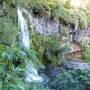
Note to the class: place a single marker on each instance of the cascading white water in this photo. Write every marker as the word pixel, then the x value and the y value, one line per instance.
pixel 24 40
pixel 32 74
pixel 23 34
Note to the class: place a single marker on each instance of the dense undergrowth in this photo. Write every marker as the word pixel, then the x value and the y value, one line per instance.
pixel 71 80
pixel 13 62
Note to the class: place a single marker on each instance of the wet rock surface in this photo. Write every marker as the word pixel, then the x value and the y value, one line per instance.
pixel 76 65
pixel 51 72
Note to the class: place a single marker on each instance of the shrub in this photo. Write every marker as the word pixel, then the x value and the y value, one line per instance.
pixel 71 80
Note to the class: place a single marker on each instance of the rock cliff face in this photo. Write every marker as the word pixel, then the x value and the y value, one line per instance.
pixel 84 37
pixel 46 26
pixel 75 54
pixel 73 59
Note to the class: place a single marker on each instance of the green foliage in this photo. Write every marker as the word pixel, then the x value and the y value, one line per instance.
pixel 15 3
pixel 53 42
pixel 71 80
pixel 35 86
pixel 42 7
pixel 67 4
pixel 8 31
pixel 9 76
pixel 12 68
pixel 64 31
pixel 88 19
pixel 38 40
pixel 40 43
pixel 3 48
pixel 86 54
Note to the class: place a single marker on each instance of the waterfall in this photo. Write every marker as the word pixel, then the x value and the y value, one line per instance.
pixel 32 74
pixel 24 40
pixel 23 34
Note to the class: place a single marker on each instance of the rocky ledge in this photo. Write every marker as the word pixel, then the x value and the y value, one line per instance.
pixel 76 65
